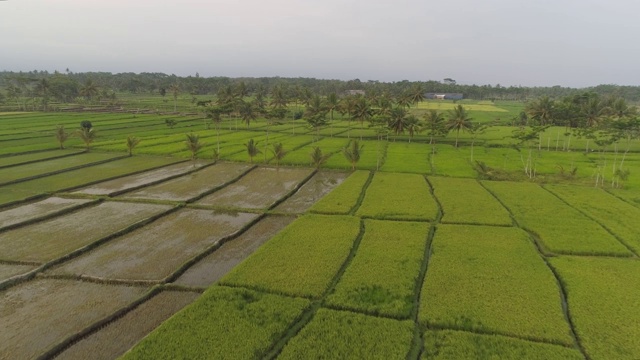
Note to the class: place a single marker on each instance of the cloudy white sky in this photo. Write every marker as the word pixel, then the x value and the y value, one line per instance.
pixel 509 42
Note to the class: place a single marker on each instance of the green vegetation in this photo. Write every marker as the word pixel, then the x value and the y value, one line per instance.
pixel 453 345
pixel 616 215
pixel 491 280
pixel 302 259
pixel 223 323
pixel 561 228
pixel 344 335
pixel 603 301
pixel 382 276
pixel 343 198
pixel 397 196
pixel 464 201
pixel 407 157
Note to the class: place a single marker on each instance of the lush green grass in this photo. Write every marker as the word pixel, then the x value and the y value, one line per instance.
pixel 399 197
pixel 371 156
pixel 454 345
pixel 491 280
pixel 464 201
pixel 223 323
pixel 604 298
pixel 382 276
pixel 343 198
pixel 561 228
pixel 344 335
pixel 38 156
pixel 450 161
pixel 302 259
pixel 616 215
pixel 407 157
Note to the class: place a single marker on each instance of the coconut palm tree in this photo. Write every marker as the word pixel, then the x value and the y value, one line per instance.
pixel 362 112
pixel 352 153
pixel 252 149
pixel 458 119
pixel 398 120
pixel 413 126
pixel 278 153
pixel 61 135
pixel 175 91
pixel 247 112
pixel 347 105
pixel 89 90
pixel 193 144
pixel 434 122
pixel 87 135
pixel 317 158
pixel 541 110
pixel 132 142
pixel 416 94
pixel 215 114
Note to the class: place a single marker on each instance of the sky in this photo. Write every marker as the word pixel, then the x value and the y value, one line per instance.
pixel 575 43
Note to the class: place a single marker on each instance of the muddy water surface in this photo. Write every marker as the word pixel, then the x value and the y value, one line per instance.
pixel 158 249
pixel 53 238
pixel 191 185
pixel 38 314
pixel 118 337
pixel 313 190
pixel 128 182
pixel 38 209
pixel 216 265
pixel 7 271
pixel 260 189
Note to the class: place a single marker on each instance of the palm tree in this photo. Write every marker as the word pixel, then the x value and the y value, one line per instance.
pixel 541 110
pixel 89 89
pixel 352 153
pixel 278 153
pixel 458 119
pixel 132 142
pixel 361 112
pixel 331 105
pixel 416 94
pixel 413 126
pixel 434 122
pixel 317 158
pixel 398 120
pixel 175 91
pixel 193 144
pixel 347 105
pixel 87 135
pixel 214 113
pixel 247 112
pixel 252 149
pixel 61 135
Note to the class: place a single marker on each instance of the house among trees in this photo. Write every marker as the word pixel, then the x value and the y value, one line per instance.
pixel 354 92
pixel 444 96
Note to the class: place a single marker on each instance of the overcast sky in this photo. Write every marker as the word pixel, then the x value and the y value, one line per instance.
pixel 574 43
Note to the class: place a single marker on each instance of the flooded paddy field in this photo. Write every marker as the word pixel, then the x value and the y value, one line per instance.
pixel 38 209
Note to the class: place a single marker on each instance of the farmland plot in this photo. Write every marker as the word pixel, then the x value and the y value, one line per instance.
pixel 407 157
pixel 192 185
pixel 38 314
pixel 343 198
pixel 38 209
pixel 616 215
pixel 561 228
pixel 450 161
pixel 312 191
pixel 345 335
pixel 158 249
pixel 219 263
pixel 396 196
pixel 604 298
pixel 119 336
pixel 451 344
pixel 38 156
pixel 7 271
pixel 302 259
pixel 464 201
pixel 491 280
pixel 54 238
pixel 138 180
pixel 382 276
pixel 260 189
pixel 223 323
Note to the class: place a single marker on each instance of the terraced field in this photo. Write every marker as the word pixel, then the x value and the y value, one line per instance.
pixel 151 257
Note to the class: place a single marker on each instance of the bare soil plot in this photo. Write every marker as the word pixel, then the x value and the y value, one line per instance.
pixel 192 185
pixel 54 238
pixel 39 314
pixel 7 271
pixel 118 337
pixel 158 249
pixel 313 190
pixel 259 189
pixel 38 209
pixel 138 180
pixel 219 263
